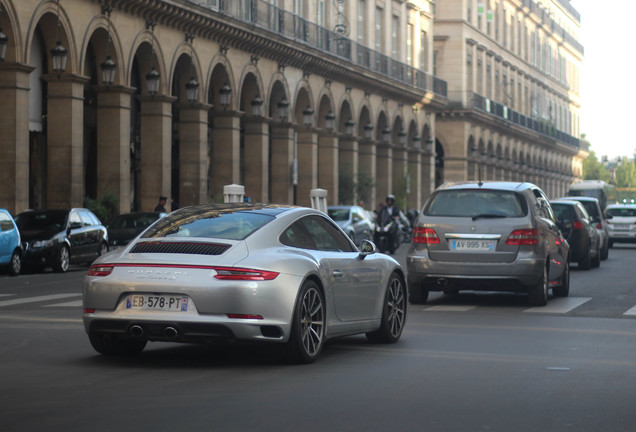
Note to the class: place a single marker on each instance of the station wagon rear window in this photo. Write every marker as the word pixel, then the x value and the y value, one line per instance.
pixel 476 203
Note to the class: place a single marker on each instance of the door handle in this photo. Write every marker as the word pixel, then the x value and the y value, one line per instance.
pixel 337 274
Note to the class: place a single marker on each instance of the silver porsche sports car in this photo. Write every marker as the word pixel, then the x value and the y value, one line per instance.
pixel 249 272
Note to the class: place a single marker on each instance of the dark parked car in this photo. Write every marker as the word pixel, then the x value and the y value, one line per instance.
pixel 354 220
pixel 10 245
pixel 578 229
pixel 57 238
pixel 492 236
pixel 125 227
pixel 593 208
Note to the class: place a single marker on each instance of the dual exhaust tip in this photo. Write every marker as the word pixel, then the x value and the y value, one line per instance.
pixel 137 331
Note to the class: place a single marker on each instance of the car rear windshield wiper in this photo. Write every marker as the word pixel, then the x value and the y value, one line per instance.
pixel 489 216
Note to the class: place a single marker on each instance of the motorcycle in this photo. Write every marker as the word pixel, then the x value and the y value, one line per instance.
pixel 385 237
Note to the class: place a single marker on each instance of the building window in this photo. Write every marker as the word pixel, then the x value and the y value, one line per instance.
pixel 423 51
pixel 409 44
pixel 379 13
pixel 362 6
pixel 395 37
pixel 320 13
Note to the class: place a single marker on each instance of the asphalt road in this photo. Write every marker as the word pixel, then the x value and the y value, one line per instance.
pixel 469 362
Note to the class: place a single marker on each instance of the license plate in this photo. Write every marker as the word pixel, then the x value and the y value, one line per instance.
pixel 157 302
pixel 621 227
pixel 473 245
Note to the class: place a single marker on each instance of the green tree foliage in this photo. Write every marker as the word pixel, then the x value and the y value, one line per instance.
pixel 364 186
pixel 626 173
pixel 593 169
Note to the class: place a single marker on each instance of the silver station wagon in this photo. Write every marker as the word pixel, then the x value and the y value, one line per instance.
pixel 488 236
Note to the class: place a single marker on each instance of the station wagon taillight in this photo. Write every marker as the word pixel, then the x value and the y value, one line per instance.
pixel 425 236
pixel 578 225
pixel 523 237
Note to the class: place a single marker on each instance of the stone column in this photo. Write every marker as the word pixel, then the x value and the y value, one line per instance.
pixel 282 159
pixel 193 154
pixel 367 167
pixel 348 160
pixel 307 155
pixel 113 144
pixel 400 166
pixel 65 141
pixel 226 152
pixel 156 149
pixel 428 175
pixel 14 137
pixel 384 179
pixel 256 137
pixel 328 166
pixel 415 174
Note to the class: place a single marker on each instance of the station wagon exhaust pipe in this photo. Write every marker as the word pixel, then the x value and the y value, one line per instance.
pixel 136 331
pixel 170 332
pixel 442 282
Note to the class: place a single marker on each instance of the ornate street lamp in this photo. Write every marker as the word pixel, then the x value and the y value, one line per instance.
pixel 386 135
pixel 349 124
pixel 330 121
pixel 108 67
pixel 368 130
pixel 402 138
pixel 4 41
pixel 192 86
pixel 257 106
pixel 153 77
pixel 428 147
pixel 283 107
pixel 308 117
pixel 225 93
pixel 59 54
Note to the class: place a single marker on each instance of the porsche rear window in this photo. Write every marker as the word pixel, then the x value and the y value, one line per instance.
pixel 471 203
pixel 229 226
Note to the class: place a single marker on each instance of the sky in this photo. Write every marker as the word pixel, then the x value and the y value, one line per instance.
pixel 608 86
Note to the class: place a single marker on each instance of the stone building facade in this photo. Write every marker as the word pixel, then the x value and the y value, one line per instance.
pixel 361 98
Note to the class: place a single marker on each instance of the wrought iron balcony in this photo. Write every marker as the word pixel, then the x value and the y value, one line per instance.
pixel 546 129
pixel 265 16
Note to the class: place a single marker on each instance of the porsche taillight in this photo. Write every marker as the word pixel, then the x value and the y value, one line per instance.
pixel 100 270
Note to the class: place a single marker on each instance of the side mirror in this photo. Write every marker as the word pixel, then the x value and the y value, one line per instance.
pixel 75 225
pixel 367 247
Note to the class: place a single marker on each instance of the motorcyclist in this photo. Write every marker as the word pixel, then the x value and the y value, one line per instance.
pixel 388 213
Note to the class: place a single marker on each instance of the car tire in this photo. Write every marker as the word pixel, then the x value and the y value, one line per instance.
pixel 610 244
pixel 538 294
pixel 596 261
pixel 308 325
pixel 15 265
pixel 393 313
pixel 564 289
pixel 605 253
pixel 63 260
pixel 418 295
pixel 103 249
pixel 585 263
pixel 108 344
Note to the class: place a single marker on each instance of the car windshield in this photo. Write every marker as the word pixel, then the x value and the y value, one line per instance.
pixel 563 211
pixel 41 220
pixel 210 224
pixel 338 214
pixel 132 221
pixel 476 203
pixel 621 212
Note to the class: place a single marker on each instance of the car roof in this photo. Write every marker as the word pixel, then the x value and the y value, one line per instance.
pixel 571 198
pixel 499 185
pixel 621 206
pixel 565 202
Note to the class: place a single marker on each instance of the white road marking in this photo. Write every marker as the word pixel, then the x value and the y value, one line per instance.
pixel 450 308
pixel 37 299
pixel 560 305
pixel 75 303
pixel 631 312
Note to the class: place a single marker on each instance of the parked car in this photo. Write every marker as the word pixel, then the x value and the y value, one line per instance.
pixel 354 221
pixel 10 244
pixel 125 227
pixel 621 221
pixel 489 236
pixel 593 208
pixel 263 273
pixel 578 229
pixel 58 238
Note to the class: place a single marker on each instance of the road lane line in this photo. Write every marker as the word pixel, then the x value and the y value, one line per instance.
pixel 631 312
pixel 560 305
pixel 37 299
pixel 450 308
pixel 76 303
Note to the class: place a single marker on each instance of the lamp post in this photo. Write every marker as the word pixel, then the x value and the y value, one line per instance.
pixel 349 124
pixel 368 130
pixel 153 77
pixel 109 66
pixel 308 117
pixel 386 135
pixel 257 106
pixel 283 107
pixel 59 54
pixel 225 93
pixel 192 86
pixel 330 121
